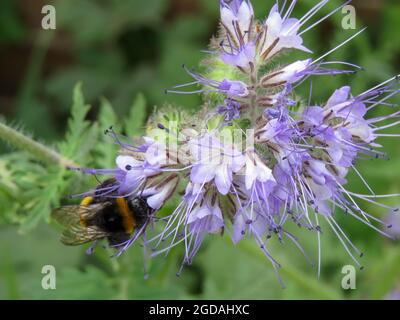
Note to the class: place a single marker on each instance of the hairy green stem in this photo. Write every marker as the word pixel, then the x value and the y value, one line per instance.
pixel 38 150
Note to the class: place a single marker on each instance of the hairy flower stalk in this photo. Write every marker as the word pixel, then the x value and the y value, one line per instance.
pixel 257 158
pixel 21 141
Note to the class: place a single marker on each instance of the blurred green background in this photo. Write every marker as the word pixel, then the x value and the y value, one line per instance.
pixel 125 52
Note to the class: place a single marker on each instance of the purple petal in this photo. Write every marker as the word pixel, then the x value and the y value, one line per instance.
pixel 223 179
pixel 339 96
pixel 202 173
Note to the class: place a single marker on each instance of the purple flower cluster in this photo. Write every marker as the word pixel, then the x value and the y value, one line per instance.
pixel 289 165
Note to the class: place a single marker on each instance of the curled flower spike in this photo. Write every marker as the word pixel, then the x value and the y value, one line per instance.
pixel 257 157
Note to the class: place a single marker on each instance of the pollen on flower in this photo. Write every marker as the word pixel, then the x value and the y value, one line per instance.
pixel 256 158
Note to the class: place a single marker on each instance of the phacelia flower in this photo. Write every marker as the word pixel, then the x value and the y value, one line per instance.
pixel 257 157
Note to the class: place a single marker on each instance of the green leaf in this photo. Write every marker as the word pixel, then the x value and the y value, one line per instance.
pixel 6 181
pixel 137 115
pixel 43 198
pixel 50 187
pixel 79 132
pixel 19 176
pixel 105 150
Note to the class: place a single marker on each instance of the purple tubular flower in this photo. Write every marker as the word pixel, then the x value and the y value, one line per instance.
pixel 157 195
pixel 277 104
pixel 314 151
pixel 231 88
pixel 237 17
pixel 289 74
pixel 133 173
pixel 242 57
pixel 234 7
pixel 214 161
pixel 256 171
pixel 205 218
pixel 257 214
pixel 231 109
pixel 280 33
pixel 297 71
pixel 198 214
pixel 351 113
pixel 243 223
pixel 259 224
pixel 353 110
pixel 131 176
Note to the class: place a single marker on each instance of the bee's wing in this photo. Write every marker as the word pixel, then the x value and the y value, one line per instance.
pixel 78 235
pixel 72 219
pixel 72 215
pixel 67 215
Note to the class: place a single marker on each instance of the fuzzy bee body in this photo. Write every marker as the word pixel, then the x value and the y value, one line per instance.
pixel 103 217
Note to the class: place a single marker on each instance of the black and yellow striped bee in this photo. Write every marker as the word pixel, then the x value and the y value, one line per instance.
pixel 103 217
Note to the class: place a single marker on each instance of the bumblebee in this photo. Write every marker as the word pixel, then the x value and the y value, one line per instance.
pixel 103 217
